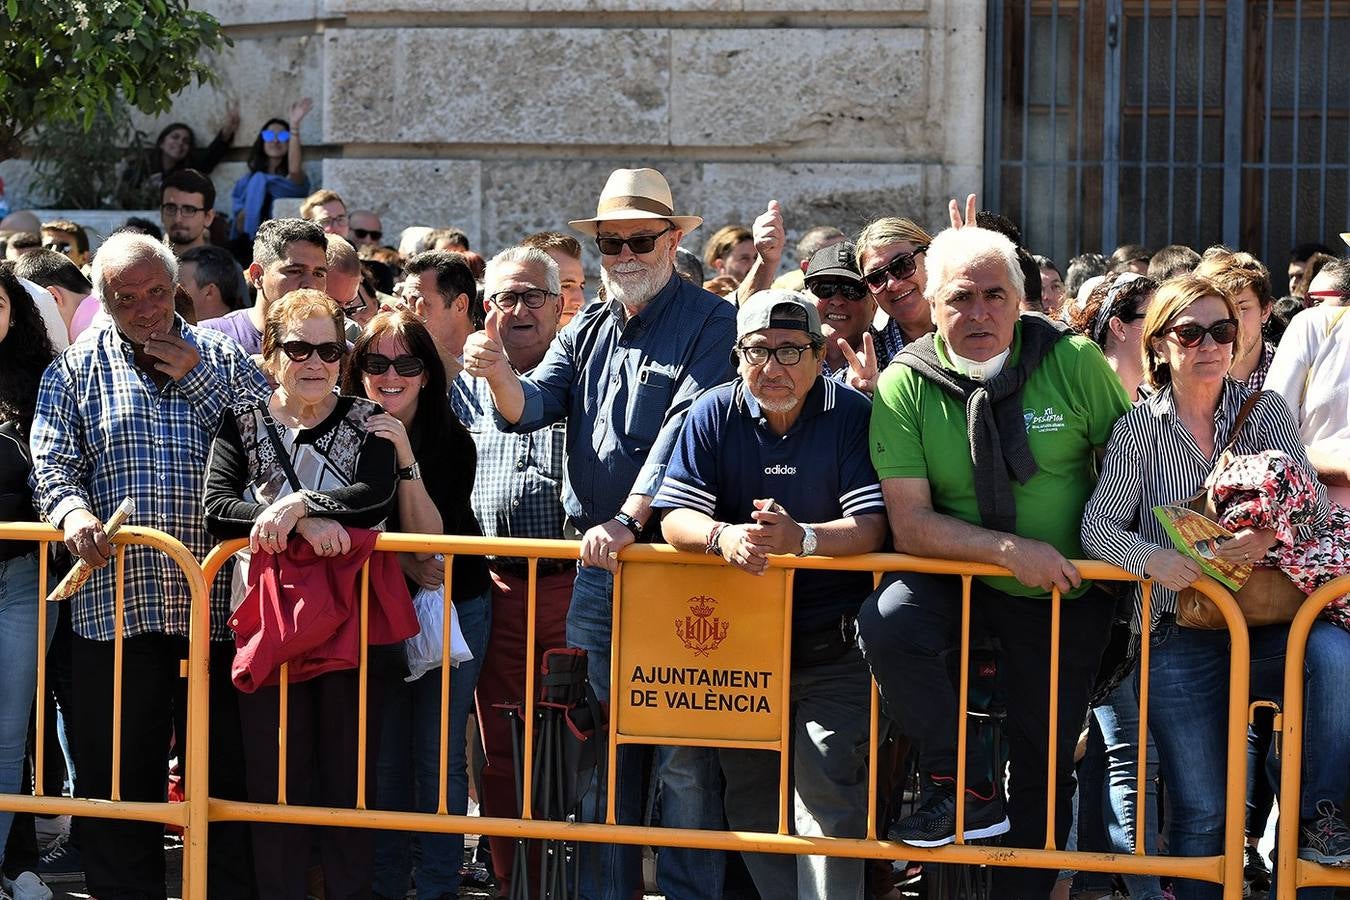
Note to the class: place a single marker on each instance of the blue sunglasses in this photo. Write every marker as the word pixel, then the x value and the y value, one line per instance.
pixel 272 136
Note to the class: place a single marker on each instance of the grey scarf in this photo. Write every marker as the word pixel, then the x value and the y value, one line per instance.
pixel 995 423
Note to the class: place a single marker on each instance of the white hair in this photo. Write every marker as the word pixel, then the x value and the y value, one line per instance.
pixel 529 256
pixel 956 248
pixel 125 248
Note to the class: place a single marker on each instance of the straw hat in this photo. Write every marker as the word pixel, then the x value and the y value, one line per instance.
pixel 633 195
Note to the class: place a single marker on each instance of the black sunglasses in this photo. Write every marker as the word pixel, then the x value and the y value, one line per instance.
pixel 407 365
pixel 826 288
pixel 900 267
pixel 638 243
pixel 58 246
pixel 299 351
pixel 1193 334
pixel 364 234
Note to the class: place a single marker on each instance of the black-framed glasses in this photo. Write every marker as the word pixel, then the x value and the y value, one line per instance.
pixel 826 288
pixel 532 298
pixel 638 243
pixel 1192 334
pixel 786 354
pixel 172 210
pixel 299 351
pixel 58 246
pixel 405 364
pixel 366 234
pixel 275 135
pixel 900 267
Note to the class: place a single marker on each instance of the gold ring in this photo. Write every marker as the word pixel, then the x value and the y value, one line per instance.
pixel 613 554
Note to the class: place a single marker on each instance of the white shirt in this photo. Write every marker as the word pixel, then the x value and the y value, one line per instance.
pixel 1311 370
pixel 51 315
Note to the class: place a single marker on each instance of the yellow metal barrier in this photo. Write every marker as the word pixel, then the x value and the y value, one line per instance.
pixel 189 815
pixel 1292 872
pixel 1225 869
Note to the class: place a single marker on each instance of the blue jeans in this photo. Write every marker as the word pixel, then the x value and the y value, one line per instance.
pixel 691 794
pixel 1119 721
pixel 18 670
pixel 1189 689
pixel 410 771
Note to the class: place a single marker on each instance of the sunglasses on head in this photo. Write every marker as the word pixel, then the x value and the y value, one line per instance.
pixel 406 365
pixel 900 267
pixel 1192 334
pixel 826 288
pixel 366 234
pixel 638 243
pixel 299 351
pixel 275 135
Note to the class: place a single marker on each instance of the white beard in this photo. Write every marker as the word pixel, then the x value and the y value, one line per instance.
pixel 787 404
pixel 635 288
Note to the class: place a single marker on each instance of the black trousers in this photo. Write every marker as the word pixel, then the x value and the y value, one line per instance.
pixel 125 860
pixel 909 630
pixel 321 761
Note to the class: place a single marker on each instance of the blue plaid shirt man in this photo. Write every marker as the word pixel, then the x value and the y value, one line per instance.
pixel 104 431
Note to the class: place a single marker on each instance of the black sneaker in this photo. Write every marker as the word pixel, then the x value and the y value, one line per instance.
pixel 1254 870
pixel 61 862
pixel 934 824
pixel 1325 839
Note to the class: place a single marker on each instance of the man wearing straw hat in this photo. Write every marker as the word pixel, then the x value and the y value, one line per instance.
pixel 624 374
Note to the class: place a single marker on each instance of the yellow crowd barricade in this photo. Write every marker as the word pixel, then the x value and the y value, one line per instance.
pixel 663 594
pixel 189 815
pixel 1292 872
pixel 665 599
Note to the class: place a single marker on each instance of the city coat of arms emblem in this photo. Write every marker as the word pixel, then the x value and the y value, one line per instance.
pixel 702 631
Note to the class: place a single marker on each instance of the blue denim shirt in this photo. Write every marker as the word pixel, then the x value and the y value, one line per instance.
pixel 624 385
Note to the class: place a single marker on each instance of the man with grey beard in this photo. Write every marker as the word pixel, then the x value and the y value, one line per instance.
pixel 624 374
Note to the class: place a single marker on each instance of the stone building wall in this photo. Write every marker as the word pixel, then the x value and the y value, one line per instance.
pixel 505 116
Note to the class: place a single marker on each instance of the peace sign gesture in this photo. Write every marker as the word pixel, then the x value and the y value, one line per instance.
pixel 954 211
pixel 862 365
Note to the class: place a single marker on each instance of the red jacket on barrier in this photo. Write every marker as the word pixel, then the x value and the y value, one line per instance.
pixel 305 610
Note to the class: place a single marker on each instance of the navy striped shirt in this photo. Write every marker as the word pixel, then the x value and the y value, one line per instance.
pixel 1152 460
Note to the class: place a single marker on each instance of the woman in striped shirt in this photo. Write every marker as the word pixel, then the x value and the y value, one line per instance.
pixel 1161 453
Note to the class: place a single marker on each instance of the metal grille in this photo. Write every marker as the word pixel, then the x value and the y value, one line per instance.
pixel 1131 121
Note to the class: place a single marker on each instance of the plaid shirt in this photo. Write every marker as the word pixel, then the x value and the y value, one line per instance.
pixel 517 490
pixel 1257 379
pixel 103 432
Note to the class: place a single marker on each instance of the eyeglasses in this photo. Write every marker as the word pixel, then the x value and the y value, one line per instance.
pixel 406 365
pixel 1193 334
pixel 533 298
pixel 299 351
pixel 335 220
pixel 1328 295
pixel 825 289
pixel 274 135
pixel 638 243
pixel 366 234
pixel 899 267
pixel 58 246
pixel 173 210
pixel 787 354
pixel 357 306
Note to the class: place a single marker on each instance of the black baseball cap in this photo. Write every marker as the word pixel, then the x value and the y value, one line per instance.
pixel 837 259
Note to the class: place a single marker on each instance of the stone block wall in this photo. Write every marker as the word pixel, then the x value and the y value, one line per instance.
pixel 503 117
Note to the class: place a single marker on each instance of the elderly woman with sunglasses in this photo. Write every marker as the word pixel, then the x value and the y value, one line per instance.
pixel 346 476
pixel 396 364
pixel 1161 452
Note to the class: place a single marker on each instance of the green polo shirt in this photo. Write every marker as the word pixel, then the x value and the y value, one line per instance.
pixel 1070 403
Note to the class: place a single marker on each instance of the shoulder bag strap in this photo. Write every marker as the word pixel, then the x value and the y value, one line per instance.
pixel 1243 414
pixel 283 456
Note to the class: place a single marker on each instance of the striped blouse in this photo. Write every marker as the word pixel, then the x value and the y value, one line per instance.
pixel 1152 460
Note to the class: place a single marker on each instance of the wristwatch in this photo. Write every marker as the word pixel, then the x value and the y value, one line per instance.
pixel 629 522
pixel 808 541
pixel 411 473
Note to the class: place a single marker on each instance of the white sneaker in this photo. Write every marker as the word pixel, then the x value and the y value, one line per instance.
pixel 28 887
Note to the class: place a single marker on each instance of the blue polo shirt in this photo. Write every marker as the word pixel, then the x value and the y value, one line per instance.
pixel 727 457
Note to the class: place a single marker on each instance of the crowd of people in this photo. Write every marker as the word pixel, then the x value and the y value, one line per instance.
pixel 946 393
